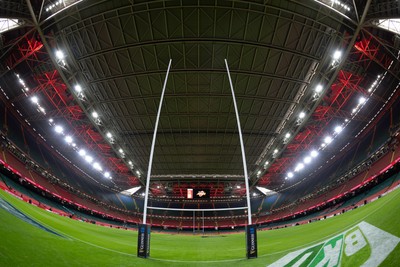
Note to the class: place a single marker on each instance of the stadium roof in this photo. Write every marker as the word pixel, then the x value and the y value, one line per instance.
pixel 298 68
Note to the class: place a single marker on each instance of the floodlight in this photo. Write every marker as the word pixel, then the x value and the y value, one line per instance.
pixel 328 139
pixel 259 172
pixel 290 174
pixel 82 152
pixel 59 54
pixel 95 114
pixel 78 88
pixel 34 99
pixel 307 160
pixel 121 150
pixel 97 166
pixel 314 153
pixel 109 135
pixel 238 186
pixel 318 88
pixel 362 100
pixel 338 129
pixel 138 173
pixel 337 55
pixel 287 135
pixel 302 115
pixel 68 139
pixel 275 151
pixel 299 167
pixel 59 129
pixel 130 162
pixel 88 159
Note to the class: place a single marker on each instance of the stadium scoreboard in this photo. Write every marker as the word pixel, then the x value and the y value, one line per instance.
pixel 193 193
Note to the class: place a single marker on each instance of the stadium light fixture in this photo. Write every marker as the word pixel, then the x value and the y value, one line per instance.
pixel 275 151
pixel 68 139
pixel 97 166
pixel 287 135
pixel 34 99
pixel 299 167
pixel 58 129
pixel 362 100
pixel 121 150
pixel 336 58
pixel 307 160
pixel 290 174
pixel 107 174
pixel 314 153
pixel 95 114
pixel 109 135
pixel 82 152
pixel 78 88
pixel 89 159
pixel 337 55
pixel 318 88
pixel 328 139
pixel 60 54
pixel 338 129
pixel 238 186
pixel 302 115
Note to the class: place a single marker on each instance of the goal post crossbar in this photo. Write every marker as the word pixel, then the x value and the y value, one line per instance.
pixel 178 209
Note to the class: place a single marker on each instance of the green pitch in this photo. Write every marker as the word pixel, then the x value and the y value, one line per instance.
pixel 84 244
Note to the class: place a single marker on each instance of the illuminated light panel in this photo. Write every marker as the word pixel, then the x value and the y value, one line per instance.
pixel 60 55
pixel 68 139
pixel 307 160
pixel 78 88
pixel 89 159
pixel 338 129
pixel 337 55
pixel 97 166
pixel 34 99
pixel 82 152
pixel 290 174
pixel 302 115
pixel 314 153
pixel 58 129
pixel 318 88
pixel 328 140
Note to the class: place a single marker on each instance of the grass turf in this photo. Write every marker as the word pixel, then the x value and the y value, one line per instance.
pixel 91 245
